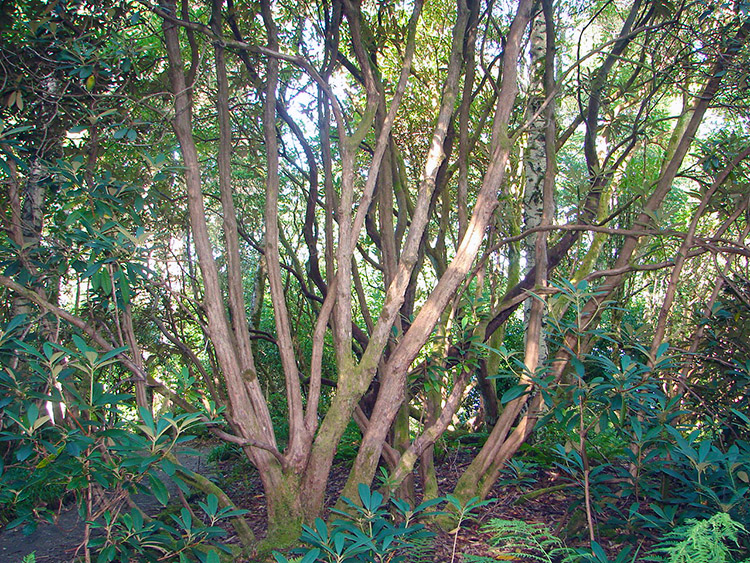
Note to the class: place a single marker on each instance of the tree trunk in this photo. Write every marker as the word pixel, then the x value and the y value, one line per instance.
pixel 391 390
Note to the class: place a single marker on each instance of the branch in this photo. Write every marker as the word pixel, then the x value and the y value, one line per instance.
pixel 244 46
pixel 231 438
pixel 77 322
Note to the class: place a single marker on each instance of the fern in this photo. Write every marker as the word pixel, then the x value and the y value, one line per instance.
pixel 701 541
pixel 518 540
pixel 30 558
pixel 422 550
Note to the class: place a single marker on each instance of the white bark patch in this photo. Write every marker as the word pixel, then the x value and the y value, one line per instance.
pixel 535 156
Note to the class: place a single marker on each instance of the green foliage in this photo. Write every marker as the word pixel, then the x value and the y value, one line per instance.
pixel 186 538
pixel 520 473
pixel 349 444
pixel 718 383
pixel 461 438
pixel 519 540
pixel 367 532
pixel 462 512
pixel 223 452
pixel 596 554
pixel 422 550
pixel 613 420
pixel 701 541
pixel 97 444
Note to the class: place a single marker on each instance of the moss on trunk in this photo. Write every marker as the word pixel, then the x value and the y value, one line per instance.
pixel 285 515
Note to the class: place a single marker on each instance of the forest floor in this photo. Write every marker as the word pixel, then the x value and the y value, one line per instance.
pixel 555 509
pixel 60 542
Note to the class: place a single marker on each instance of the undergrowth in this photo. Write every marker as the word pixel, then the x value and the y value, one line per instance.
pixel 519 540
pixel 714 540
pixel 702 541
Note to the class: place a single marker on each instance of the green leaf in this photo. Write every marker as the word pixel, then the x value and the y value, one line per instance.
pixel 124 286
pixel 364 494
pixel 168 467
pixel 211 506
pixel 428 504
pixel 32 414
pixel 93 268
pixel 24 452
pixel 186 519
pixel 73 448
pixel 184 487
pixel 148 421
pixel 14 323
pixel 81 344
pixel 743 416
pixel 579 367
pixel 453 501
pixel 599 552
pixel 662 350
pixel 112 353
pixel 513 393
pixel 474 504
pixel 322 529
pixel 311 556
pixel 158 489
pixel 107 554
pixel 703 450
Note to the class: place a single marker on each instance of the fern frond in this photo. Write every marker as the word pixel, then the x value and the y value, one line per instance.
pixel 519 540
pixel 422 550
pixel 701 541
